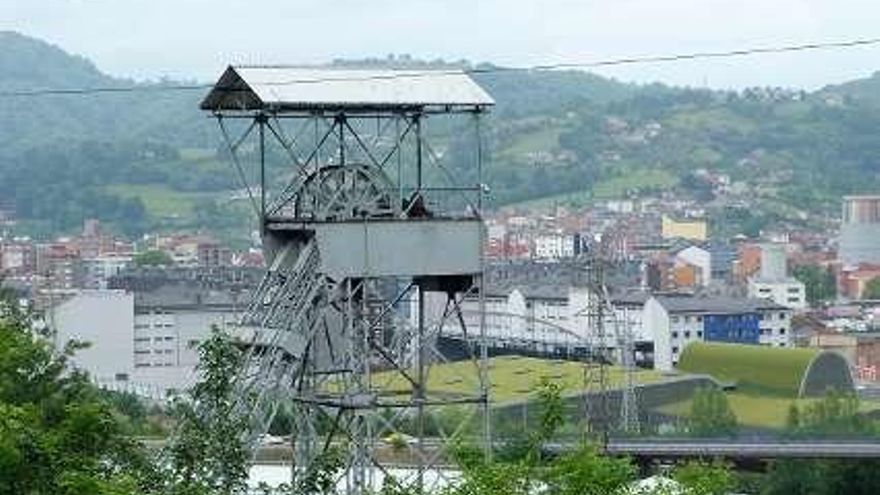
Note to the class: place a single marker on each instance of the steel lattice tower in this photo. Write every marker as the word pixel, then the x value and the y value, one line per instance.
pixel 361 223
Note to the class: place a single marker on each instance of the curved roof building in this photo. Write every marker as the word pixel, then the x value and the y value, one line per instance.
pixel 782 371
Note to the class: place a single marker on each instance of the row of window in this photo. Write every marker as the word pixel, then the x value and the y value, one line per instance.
pixel 687 334
pixel 769 331
pixel 143 326
pixel 154 339
pixel 699 319
pixel 142 352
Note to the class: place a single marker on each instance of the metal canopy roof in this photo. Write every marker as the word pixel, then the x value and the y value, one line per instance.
pixel 292 89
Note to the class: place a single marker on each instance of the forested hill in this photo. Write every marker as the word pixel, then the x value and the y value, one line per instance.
pixel 147 159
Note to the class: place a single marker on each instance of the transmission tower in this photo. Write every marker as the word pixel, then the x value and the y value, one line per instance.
pixel 364 228
pixel 595 367
pixel 601 313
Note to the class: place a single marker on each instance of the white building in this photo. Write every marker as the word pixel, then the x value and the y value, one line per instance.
pixel 555 246
pixel 95 272
pixel 787 292
pixel 773 282
pixel 676 321
pixel 145 341
pixel 104 320
pixel 545 319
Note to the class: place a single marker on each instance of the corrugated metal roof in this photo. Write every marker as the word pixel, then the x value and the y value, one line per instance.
pixel 251 88
pixel 716 304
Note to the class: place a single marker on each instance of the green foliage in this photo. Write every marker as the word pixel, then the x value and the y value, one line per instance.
pixel 836 415
pixel 153 257
pixel 552 411
pixel 57 434
pixel 586 471
pixel 702 478
pixel 711 414
pixel 820 284
pixel 495 479
pixel 208 455
pixel 872 289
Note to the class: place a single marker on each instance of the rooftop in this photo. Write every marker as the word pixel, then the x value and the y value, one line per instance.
pixel 281 88
pixel 716 304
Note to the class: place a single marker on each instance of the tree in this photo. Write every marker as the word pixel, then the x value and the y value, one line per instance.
pixel 587 472
pixel 711 415
pixel 872 289
pixel 820 284
pixel 57 434
pixel 702 478
pixel 153 257
pixel 208 454
pixel 836 415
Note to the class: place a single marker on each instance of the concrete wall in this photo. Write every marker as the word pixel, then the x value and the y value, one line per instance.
pixel 105 319
pixel 656 323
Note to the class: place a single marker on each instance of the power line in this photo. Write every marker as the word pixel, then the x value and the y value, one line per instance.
pixel 479 70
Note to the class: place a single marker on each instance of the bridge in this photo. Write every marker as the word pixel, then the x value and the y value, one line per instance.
pixel 743 450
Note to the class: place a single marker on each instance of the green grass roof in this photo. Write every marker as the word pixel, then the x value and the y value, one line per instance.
pixel 768 369
pixel 512 378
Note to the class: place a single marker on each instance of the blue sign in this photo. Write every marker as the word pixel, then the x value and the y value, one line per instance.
pixel 739 328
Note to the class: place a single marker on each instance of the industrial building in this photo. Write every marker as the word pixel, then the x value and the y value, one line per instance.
pixel 860 230
pixel 150 325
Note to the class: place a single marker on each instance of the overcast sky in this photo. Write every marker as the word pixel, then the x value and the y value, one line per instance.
pixel 197 38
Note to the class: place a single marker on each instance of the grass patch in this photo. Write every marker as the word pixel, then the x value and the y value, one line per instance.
pixel 512 378
pixel 611 188
pixel 546 139
pixel 617 187
pixel 755 410
pixel 162 202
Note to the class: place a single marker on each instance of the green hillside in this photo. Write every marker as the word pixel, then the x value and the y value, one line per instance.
pixel 134 158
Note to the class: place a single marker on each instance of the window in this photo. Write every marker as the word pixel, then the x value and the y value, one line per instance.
pixel 794 299
pixel 687 319
pixel 157 339
pixel 781 331
pixel 781 316
pixel 687 335
pixel 699 334
pixel 675 350
pixel 674 335
pixel 141 352
pixel 121 377
pixel 699 319
pixel 793 290
pixel 169 339
pixel 675 319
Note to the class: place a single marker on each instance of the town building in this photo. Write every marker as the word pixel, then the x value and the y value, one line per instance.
pixel 860 230
pixel 689 229
pixel 674 321
pixel 144 330
pixel 773 281
pixel 556 246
